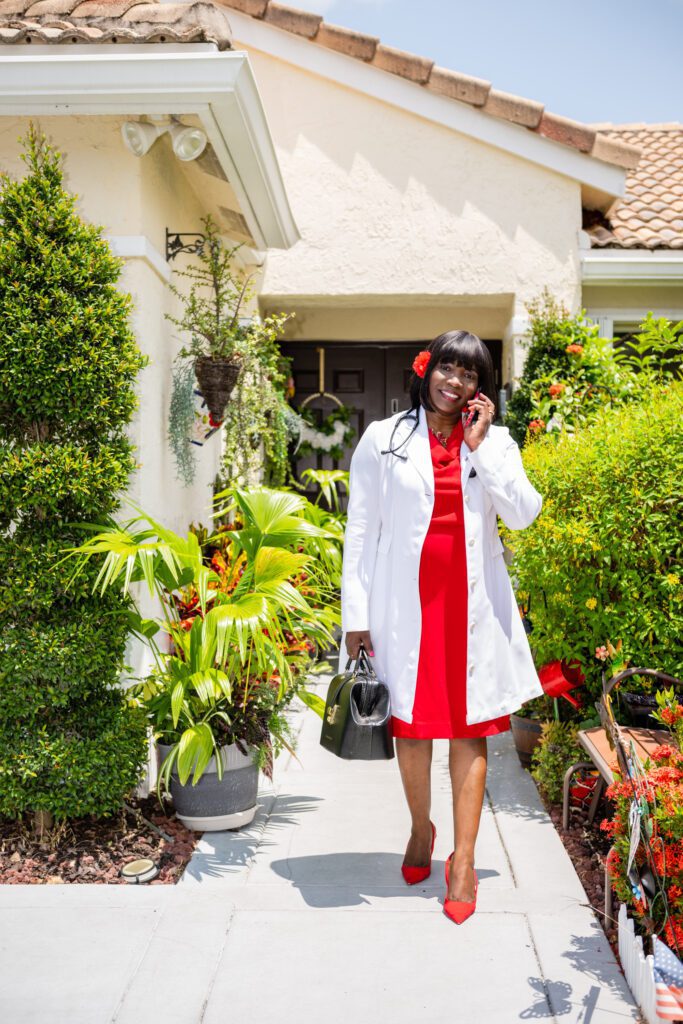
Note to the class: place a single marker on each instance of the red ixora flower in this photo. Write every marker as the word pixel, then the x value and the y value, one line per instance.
pixel 555 389
pixel 420 362
pixel 574 349
pixel 536 425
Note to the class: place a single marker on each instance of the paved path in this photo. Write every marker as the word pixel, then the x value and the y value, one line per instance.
pixel 304 917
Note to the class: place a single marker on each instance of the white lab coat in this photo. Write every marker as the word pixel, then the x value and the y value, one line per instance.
pixel 389 511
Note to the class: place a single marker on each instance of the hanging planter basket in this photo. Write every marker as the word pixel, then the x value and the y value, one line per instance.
pixel 216 379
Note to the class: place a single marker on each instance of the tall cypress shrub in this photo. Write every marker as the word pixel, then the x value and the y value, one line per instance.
pixel 70 744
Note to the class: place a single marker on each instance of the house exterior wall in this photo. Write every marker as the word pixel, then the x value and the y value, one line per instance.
pixel 401 216
pixel 621 306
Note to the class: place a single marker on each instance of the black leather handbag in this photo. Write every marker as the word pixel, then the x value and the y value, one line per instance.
pixel 357 720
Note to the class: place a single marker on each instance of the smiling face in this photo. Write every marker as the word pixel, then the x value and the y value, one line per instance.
pixel 450 388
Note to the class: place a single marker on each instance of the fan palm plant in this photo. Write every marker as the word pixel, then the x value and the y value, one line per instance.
pixel 239 629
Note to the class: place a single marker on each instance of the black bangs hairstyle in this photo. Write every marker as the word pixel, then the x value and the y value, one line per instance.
pixel 462 349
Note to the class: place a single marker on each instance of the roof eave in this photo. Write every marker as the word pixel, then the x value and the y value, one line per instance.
pixel 218 86
pixel 630 267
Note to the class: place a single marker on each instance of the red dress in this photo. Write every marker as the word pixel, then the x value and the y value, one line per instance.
pixel 441 687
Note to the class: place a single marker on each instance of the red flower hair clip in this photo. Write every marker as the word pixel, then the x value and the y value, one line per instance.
pixel 420 362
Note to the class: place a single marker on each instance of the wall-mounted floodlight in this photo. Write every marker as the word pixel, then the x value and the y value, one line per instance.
pixel 188 142
pixel 140 136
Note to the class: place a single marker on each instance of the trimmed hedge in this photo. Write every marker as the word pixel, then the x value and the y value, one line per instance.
pixel 603 561
pixel 70 743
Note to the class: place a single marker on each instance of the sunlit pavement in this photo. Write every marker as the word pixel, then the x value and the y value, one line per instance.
pixel 304 916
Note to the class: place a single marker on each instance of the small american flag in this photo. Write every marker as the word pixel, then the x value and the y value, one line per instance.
pixel 668 971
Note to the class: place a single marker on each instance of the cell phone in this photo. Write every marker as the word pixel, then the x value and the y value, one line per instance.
pixel 473 415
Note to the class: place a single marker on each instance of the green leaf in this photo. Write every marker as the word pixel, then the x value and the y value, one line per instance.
pixel 312 700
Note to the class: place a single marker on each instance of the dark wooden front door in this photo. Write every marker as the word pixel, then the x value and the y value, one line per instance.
pixel 372 378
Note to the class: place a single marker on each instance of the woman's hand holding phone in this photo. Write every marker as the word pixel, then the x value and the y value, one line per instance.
pixel 476 419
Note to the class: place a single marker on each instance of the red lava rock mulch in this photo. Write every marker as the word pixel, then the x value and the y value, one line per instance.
pixel 94 850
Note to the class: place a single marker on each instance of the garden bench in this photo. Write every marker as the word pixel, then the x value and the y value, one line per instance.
pixel 600 749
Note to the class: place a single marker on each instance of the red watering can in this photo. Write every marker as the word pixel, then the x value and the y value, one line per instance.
pixel 559 677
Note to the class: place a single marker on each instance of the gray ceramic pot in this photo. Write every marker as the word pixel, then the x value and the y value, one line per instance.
pixel 214 805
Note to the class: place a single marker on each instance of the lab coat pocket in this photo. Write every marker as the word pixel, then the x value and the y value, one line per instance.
pixel 495 544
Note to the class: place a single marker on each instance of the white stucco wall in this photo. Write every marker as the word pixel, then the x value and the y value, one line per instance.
pixel 399 214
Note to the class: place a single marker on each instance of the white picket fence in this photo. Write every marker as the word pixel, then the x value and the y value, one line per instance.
pixel 638 968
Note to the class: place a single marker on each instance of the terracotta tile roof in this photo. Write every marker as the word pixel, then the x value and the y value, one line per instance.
pixel 112 21
pixel 145 21
pixel 650 213
pixel 465 88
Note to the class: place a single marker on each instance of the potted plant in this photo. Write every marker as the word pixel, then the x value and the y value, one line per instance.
pixel 211 317
pixel 526 726
pixel 240 627
pixel 237 363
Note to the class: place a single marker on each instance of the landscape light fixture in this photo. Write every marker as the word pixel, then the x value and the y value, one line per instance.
pixel 138 871
pixel 188 142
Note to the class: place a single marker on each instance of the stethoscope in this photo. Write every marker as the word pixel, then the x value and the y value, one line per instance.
pixel 411 414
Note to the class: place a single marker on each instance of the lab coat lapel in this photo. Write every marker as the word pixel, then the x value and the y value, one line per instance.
pixel 419 452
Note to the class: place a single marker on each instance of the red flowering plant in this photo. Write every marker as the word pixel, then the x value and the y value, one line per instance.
pixel 670 713
pixel 655 898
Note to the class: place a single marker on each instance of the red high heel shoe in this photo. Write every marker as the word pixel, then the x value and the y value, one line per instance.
pixel 459 910
pixel 414 874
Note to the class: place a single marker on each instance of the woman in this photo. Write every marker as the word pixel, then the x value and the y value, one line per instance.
pixel 426 592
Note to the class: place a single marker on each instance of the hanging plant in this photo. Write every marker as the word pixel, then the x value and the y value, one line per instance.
pixel 257 428
pixel 180 421
pixel 329 437
pixel 211 317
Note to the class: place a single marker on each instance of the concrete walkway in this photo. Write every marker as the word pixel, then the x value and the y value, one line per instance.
pixel 304 917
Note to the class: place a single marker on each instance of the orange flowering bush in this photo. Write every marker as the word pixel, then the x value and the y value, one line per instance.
pixel 662 788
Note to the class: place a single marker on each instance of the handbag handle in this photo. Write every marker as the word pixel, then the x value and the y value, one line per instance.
pixel 364 658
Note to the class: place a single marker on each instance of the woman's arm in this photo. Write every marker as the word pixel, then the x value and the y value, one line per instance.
pixel 362 532
pixel 499 467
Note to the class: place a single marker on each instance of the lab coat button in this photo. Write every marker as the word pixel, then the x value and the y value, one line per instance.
pixel 467 498
pixel 471 670
pixel 471 541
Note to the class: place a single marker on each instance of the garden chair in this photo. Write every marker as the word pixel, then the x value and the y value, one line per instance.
pixel 599 744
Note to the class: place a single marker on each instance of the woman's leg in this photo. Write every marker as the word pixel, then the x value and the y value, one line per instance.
pixel 467 760
pixel 415 763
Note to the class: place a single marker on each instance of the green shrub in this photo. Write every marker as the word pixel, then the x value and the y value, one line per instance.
pixel 571 373
pixel 603 560
pixel 557 751
pixel 551 330
pixel 69 742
